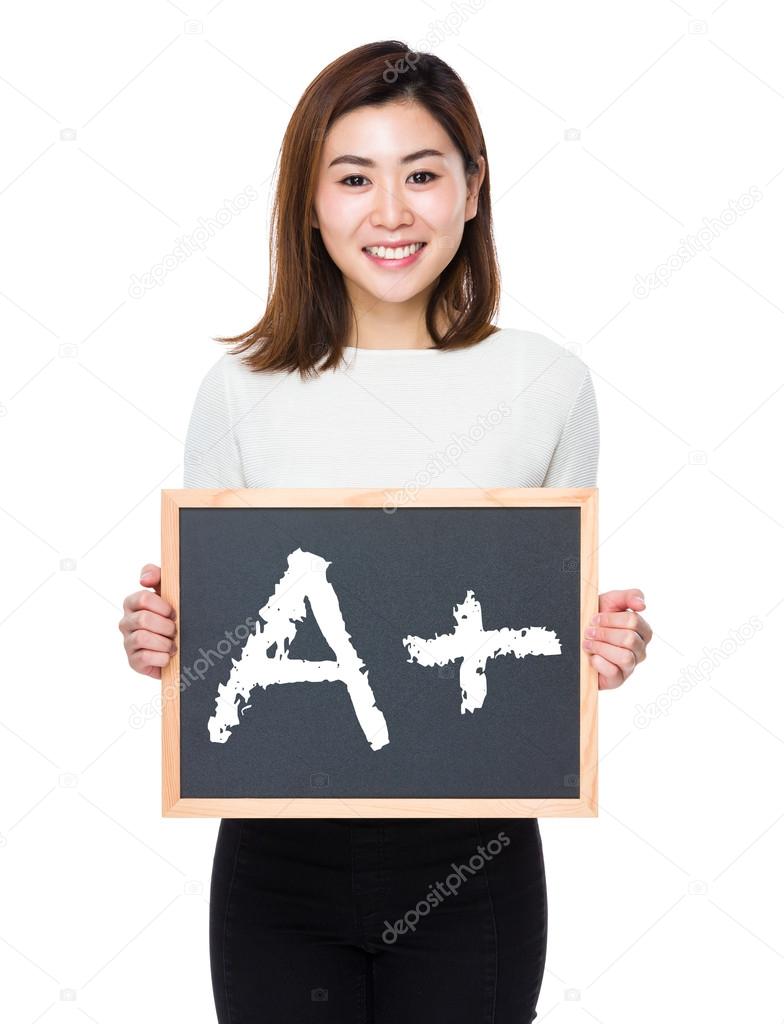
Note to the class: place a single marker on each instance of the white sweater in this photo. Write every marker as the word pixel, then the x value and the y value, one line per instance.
pixel 516 410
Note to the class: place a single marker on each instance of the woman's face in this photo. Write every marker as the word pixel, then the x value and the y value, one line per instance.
pixel 376 185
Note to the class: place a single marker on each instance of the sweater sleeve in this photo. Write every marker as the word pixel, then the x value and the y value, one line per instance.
pixel 575 460
pixel 212 455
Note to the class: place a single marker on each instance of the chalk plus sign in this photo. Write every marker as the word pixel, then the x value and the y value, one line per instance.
pixel 474 644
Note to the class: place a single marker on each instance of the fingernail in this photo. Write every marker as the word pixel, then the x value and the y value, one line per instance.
pixel 587 645
pixel 590 632
pixel 595 619
pixel 145 575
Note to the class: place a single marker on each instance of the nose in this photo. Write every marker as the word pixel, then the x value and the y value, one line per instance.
pixel 390 209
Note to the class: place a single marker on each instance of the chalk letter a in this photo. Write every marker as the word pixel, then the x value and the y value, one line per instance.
pixel 265 659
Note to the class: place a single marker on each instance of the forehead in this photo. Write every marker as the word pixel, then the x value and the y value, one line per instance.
pixel 386 133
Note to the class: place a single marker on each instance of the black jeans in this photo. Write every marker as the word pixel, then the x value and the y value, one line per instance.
pixel 377 921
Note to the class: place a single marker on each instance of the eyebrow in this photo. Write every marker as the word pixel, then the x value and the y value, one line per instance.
pixel 363 161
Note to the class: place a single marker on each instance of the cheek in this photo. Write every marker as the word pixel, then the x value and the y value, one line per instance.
pixel 331 212
pixel 444 215
pixel 442 208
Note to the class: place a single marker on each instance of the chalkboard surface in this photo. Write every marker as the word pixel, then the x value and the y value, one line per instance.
pixel 443 648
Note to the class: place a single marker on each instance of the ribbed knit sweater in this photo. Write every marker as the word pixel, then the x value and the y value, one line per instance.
pixel 515 410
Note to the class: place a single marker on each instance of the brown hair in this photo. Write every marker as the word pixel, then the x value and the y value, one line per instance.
pixel 308 312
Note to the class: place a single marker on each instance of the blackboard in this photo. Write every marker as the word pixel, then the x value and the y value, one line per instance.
pixel 336 655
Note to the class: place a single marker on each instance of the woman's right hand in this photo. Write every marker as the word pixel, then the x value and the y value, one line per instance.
pixel 148 626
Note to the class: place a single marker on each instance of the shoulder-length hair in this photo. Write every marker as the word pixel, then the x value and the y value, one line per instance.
pixel 308 314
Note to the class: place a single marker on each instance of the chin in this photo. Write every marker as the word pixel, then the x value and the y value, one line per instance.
pixel 371 289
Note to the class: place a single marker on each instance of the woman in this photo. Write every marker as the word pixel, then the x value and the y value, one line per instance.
pixel 376 350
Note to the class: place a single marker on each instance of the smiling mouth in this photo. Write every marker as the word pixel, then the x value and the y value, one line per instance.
pixel 392 254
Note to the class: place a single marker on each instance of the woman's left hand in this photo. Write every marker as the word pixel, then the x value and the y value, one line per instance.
pixel 617 637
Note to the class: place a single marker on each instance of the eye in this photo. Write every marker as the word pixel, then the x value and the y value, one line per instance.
pixel 429 173
pixel 354 177
pixel 351 177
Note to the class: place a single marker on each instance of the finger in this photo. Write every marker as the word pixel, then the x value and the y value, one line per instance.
pixel 152 671
pixel 610 676
pixel 150 576
pixel 621 657
pixel 146 600
pixel 619 638
pixel 153 622
pixel 624 620
pixel 144 640
pixel 620 600
pixel 149 663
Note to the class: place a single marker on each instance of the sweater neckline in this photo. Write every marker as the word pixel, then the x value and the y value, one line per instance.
pixel 356 348
pixel 407 351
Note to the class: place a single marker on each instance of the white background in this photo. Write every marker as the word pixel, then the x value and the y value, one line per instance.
pixel 124 128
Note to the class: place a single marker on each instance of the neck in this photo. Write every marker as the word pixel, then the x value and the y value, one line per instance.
pixel 390 325
pixel 386 346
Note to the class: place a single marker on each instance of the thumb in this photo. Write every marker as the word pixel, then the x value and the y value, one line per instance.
pixel 620 600
pixel 150 576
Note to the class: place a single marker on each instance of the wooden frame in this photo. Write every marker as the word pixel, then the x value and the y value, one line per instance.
pixel 309 807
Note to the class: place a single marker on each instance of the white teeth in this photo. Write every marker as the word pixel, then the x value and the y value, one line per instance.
pixel 394 254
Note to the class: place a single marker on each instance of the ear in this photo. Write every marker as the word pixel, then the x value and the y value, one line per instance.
pixel 314 220
pixel 474 186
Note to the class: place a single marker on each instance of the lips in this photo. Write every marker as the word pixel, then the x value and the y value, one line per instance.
pixel 390 251
pixel 392 264
pixel 390 244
